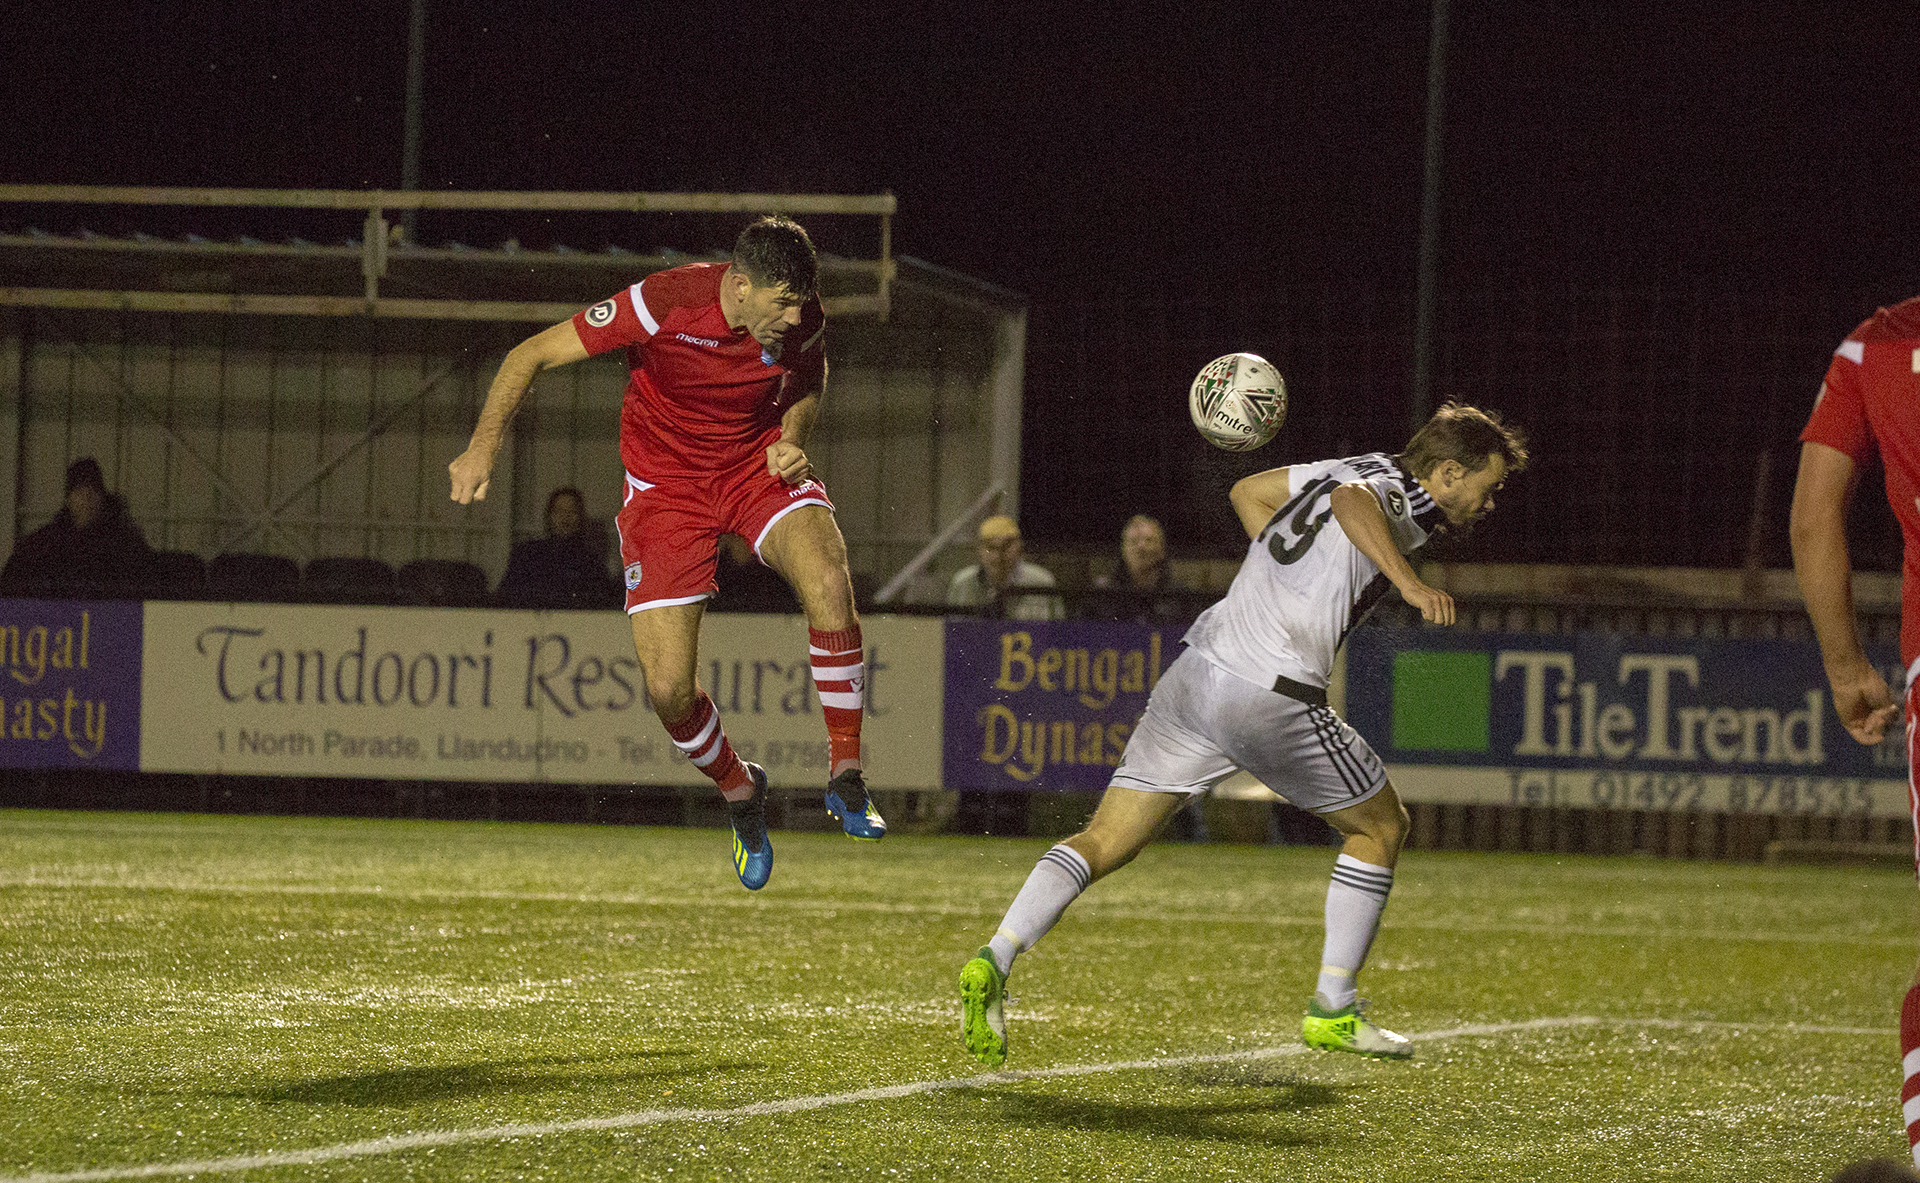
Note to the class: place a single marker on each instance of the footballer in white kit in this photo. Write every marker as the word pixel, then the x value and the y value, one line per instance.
pixel 1250 692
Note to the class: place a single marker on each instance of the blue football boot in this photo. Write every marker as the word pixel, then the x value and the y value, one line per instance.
pixel 752 850
pixel 848 802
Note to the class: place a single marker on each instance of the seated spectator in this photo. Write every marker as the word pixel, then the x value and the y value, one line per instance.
pixel 567 568
pixel 747 584
pixel 90 547
pixel 1003 585
pixel 1143 589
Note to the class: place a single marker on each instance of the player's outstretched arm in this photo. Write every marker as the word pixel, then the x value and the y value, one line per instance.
pixel 1358 511
pixel 552 347
pixel 1818 529
pixel 1258 497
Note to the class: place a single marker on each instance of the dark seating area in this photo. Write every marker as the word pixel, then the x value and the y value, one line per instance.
pixel 253 577
pixel 343 579
pixel 245 577
pixel 442 583
pixel 176 575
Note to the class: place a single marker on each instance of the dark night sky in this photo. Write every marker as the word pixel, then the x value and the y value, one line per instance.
pixel 1046 151
pixel 1096 160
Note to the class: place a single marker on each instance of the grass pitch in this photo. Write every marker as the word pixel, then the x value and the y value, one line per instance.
pixel 277 999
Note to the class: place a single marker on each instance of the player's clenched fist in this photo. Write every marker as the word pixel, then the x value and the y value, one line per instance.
pixel 786 461
pixel 470 471
pixel 1865 705
pixel 1436 606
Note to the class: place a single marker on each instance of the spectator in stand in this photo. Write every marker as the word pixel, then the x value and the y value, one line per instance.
pixel 1003 585
pixel 1142 591
pixel 91 547
pixel 567 568
pixel 1143 588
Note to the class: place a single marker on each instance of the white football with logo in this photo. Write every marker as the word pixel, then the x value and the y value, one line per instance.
pixel 1238 402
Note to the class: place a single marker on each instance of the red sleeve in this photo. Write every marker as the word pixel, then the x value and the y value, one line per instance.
pixel 809 364
pixel 632 317
pixel 613 322
pixel 1839 418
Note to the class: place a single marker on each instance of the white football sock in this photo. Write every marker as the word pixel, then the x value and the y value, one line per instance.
pixel 1057 880
pixel 1355 898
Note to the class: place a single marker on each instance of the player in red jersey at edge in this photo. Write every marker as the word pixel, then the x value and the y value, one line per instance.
pixel 728 366
pixel 1870 403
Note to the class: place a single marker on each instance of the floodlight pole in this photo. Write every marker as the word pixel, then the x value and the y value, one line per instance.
pixel 410 137
pixel 1421 405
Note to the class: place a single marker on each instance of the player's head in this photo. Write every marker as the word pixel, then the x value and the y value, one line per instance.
pixel 775 252
pixel 1462 456
pixel 774 273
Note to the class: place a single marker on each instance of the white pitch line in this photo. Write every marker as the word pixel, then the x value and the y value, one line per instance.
pixel 400 1143
pixel 1089 909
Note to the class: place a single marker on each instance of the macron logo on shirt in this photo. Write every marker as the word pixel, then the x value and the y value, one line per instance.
pixel 709 342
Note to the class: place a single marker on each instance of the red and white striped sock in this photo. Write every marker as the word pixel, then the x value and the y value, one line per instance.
pixel 1910 1068
pixel 840 676
pixel 701 737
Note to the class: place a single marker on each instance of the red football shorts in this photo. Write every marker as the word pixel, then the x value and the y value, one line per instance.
pixel 669 529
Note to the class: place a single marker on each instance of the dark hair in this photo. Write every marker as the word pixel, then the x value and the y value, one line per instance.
pixel 776 252
pixel 579 501
pixel 85 472
pixel 1467 435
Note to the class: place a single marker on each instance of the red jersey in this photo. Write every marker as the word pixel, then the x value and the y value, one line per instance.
pixel 1871 402
pixel 702 396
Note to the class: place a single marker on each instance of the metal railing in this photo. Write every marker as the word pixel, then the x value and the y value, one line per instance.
pixel 377 246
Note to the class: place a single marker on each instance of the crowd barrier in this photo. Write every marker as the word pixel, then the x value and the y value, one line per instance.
pixel 1573 722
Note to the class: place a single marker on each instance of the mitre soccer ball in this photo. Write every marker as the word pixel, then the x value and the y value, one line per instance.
pixel 1238 401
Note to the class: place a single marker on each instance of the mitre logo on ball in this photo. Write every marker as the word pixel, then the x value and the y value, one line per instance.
pixel 1238 402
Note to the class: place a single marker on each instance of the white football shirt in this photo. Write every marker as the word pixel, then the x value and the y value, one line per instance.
pixel 1304 583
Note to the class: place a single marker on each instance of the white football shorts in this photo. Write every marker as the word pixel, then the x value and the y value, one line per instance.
pixel 1203 723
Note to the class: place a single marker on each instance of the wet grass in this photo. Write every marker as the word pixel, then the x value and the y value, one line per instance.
pixel 186 990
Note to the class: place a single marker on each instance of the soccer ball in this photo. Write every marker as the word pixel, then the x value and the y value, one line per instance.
pixel 1238 401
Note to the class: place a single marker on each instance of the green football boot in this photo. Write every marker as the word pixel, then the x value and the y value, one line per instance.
pixel 983 1023
pixel 1347 1030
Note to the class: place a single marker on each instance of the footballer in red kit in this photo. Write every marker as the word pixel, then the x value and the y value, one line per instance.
pixel 1869 405
pixel 703 405
pixel 728 368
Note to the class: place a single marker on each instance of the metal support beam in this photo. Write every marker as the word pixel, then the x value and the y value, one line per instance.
pixel 369 199
pixel 495 311
pixel 125 394
pixel 1421 405
pixel 932 549
pixel 270 516
pixel 1009 382
pixel 14 351
pixel 624 262
pixel 886 263
pixel 373 255
pixel 410 128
